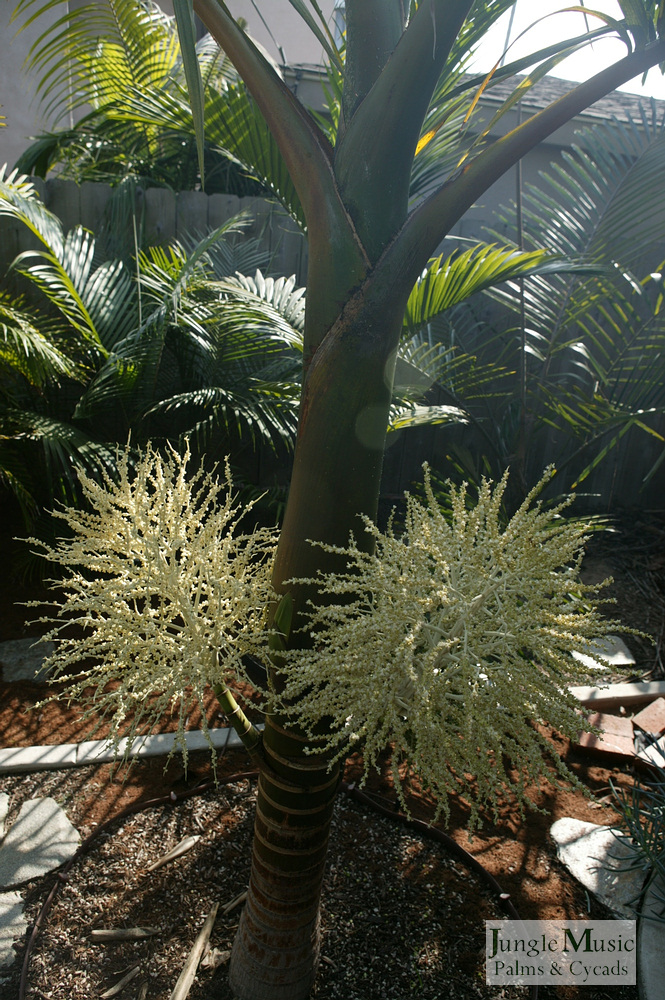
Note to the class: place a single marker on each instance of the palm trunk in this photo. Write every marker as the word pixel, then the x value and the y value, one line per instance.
pixel 337 471
pixel 276 949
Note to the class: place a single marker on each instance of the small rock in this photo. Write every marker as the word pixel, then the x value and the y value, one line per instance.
pixel 21 659
pixel 41 839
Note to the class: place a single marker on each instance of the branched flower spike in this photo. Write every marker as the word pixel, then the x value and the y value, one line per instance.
pixel 450 641
pixel 164 595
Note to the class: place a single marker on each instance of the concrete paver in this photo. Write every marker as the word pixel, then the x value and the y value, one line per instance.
pixel 41 839
pixel 614 696
pixel 22 760
pixel 13 925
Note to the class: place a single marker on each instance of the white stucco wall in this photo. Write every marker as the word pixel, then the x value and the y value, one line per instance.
pixel 285 28
pixel 17 88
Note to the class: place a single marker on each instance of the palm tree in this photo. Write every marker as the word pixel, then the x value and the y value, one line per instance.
pixel 589 349
pixel 180 347
pixel 368 244
pixel 367 247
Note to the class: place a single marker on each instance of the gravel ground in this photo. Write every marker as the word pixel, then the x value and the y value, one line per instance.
pixel 401 917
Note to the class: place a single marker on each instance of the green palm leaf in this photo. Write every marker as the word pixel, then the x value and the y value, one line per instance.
pixel 595 344
pixel 63 448
pixel 124 62
pixel 20 200
pixel 25 348
pixel 90 54
pixel 184 16
pixel 448 282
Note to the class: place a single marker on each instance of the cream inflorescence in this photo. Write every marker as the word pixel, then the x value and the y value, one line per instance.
pixel 163 593
pixel 449 641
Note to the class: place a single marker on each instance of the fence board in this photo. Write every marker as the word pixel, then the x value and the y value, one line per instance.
pixel 191 215
pixel 221 207
pixel 93 200
pixel 159 221
pixel 63 199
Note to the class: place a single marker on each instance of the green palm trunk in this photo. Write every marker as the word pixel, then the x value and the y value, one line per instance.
pixel 336 475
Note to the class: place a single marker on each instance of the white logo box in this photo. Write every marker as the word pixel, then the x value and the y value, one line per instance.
pixel 547 952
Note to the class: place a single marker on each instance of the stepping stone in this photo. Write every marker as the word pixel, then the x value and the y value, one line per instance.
pixel 13 925
pixel 597 857
pixel 21 659
pixel 41 839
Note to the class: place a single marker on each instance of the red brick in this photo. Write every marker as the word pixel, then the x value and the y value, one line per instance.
pixel 617 736
pixel 652 718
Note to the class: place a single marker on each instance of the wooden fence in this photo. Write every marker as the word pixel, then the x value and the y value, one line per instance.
pixel 163 216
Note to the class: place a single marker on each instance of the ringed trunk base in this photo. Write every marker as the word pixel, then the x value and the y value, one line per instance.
pixel 276 950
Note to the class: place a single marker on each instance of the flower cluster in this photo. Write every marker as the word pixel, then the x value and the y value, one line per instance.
pixel 449 640
pixel 163 594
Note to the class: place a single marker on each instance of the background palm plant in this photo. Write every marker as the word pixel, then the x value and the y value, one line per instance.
pixel 175 345
pixel 587 349
pixel 117 66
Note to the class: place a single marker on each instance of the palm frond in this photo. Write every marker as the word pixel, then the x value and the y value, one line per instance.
pixel 25 348
pixel 20 200
pixel 403 417
pixel 591 346
pixel 316 21
pixel 239 410
pixel 602 195
pixel 61 448
pixel 122 60
pixel 89 54
pixel 447 283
